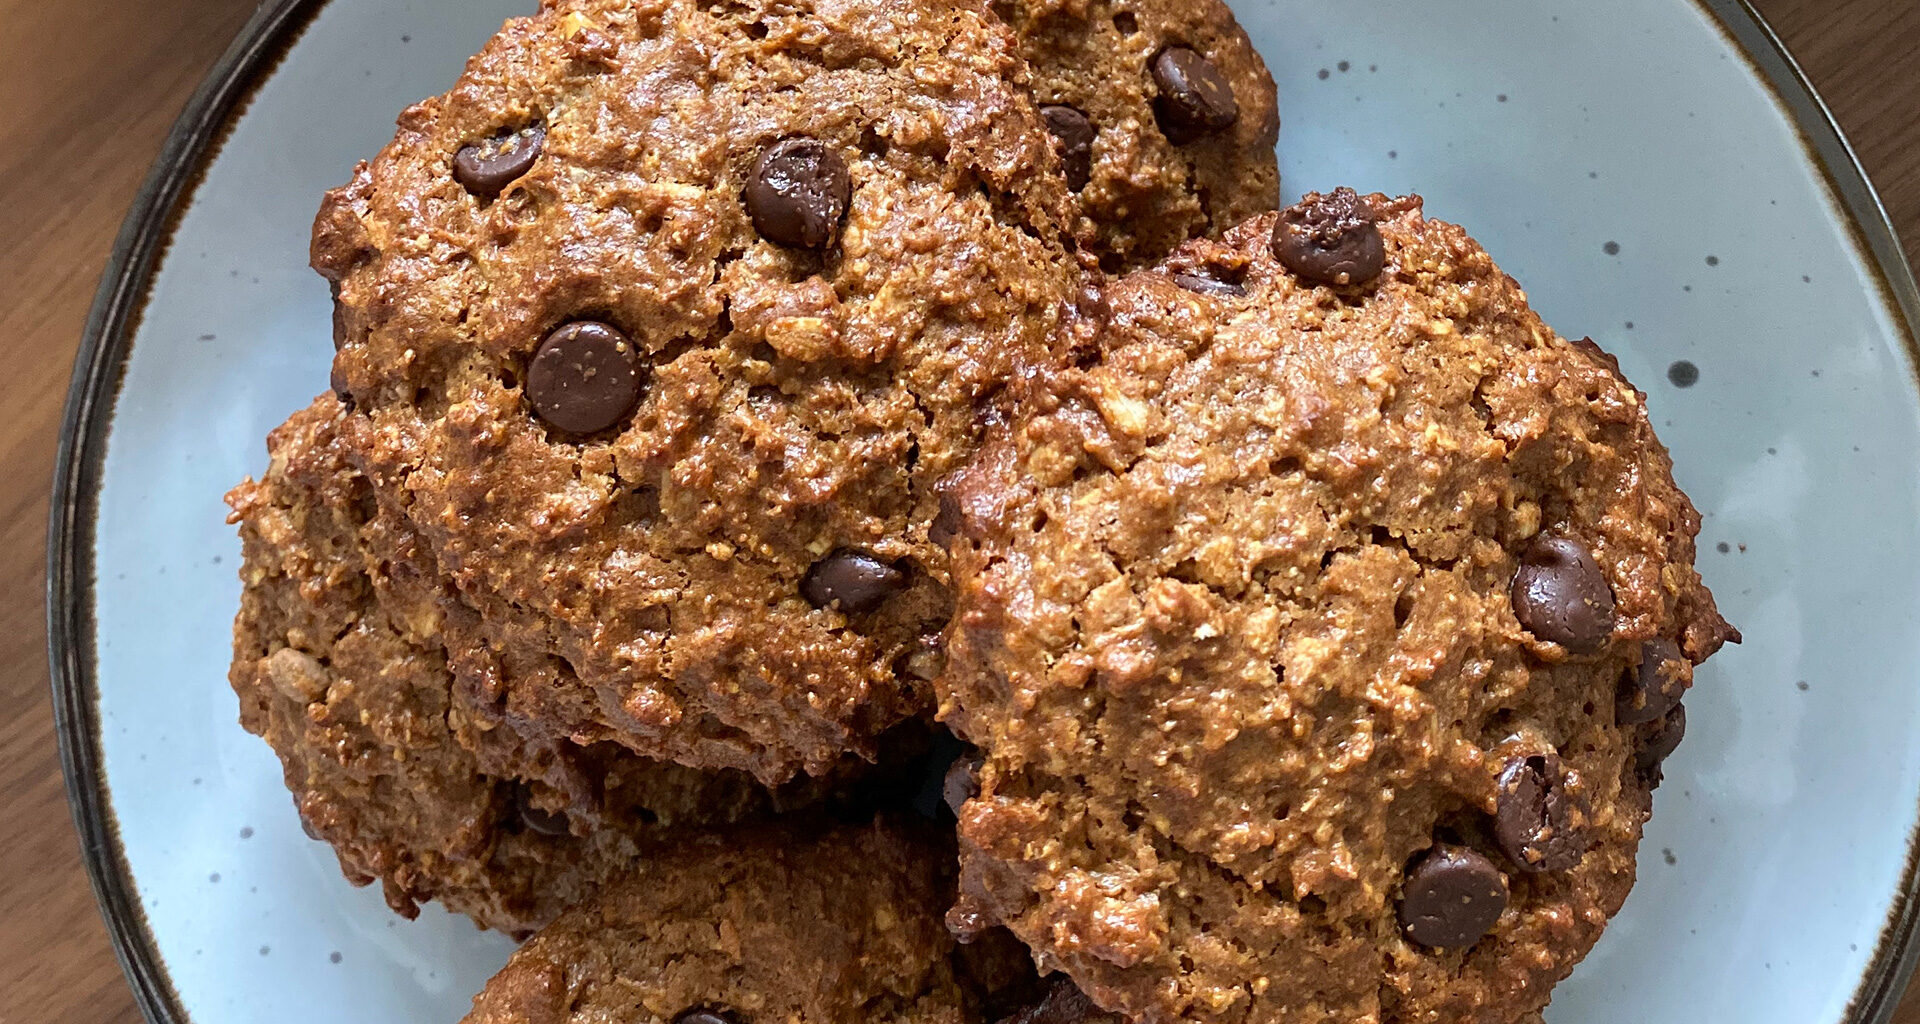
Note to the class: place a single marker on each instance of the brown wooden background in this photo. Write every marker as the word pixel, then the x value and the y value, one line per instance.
pixel 87 91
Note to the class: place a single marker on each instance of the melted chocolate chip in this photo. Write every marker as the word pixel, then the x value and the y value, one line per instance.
pixel 339 317
pixel 1452 896
pixel 1538 821
pixel 1561 596
pixel 487 168
pixel 854 581
pixel 1663 739
pixel 1330 239
pixel 1195 98
pixel 962 781
pixel 1064 1003
pixel 337 379
pixel 584 378
pixel 537 820
pixel 1074 135
pixel 1206 285
pixel 703 1015
pixel 798 193
pixel 947 521
pixel 1652 688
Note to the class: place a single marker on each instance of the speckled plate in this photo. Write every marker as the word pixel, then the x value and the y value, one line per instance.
pixel 1656 171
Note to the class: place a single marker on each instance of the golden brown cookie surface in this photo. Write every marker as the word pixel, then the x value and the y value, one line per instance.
pixel 768 927
pixel 663 324
pixel 348 661
pixel 1166 118
pixel 1303 624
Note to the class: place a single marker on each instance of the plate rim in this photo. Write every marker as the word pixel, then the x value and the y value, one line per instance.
pixel 197 137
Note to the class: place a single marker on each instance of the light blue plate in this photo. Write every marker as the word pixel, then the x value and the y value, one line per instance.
pixel 1629 161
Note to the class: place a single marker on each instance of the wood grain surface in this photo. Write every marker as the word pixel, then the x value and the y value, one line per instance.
pixel 89 88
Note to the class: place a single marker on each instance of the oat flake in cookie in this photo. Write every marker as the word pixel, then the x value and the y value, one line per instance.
pixel 347 660
pixel 768 927
pixel 1165 118
pixel 1266 733
pixel 662 327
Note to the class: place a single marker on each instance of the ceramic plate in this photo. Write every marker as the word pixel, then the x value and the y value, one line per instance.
pixel 1655 171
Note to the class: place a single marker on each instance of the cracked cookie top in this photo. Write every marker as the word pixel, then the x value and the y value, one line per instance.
pixel 1321 631
pixel 661 327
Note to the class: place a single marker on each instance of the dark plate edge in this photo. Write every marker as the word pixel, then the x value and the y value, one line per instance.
pixel 97 371
pixel 195 137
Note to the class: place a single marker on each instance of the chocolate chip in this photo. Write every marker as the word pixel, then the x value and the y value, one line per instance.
pixel 339 317
pixel 946 522
pixel 1209 285
pixel 962 781
pixel 1330 239
pixel 487 168
pixel 798 193
pixel 1452 897
pixel 307 827
pixel 702 1015
pixel 1653 687
pixel 852 580
pixel 536 820
pixel 584 378
pixel 1537 821
pixel 1663 739
pixel 1561 596
pixel 1195 98
pixel 1074 134
pixel 337 379
pixel 1064 1003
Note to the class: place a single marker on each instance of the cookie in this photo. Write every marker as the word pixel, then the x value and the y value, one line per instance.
pixel 1320 634
pixel 1164 115
pixel 347 662
pixel 666 322
pixel 766 927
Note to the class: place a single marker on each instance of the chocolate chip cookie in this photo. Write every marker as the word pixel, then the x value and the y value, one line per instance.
pixel 664 324
pixel 765 927
pixel 1164 115
pixel 347 661
pixel 1322 631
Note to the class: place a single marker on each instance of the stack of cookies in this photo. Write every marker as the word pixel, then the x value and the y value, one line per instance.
pixel 752 417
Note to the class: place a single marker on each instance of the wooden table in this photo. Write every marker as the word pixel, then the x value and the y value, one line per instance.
pixel 89 88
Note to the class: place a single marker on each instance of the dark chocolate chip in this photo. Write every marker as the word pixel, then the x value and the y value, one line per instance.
pixel 925 658
pixel 703 1015
pixel 962 781
pixel 307 827
pixel 798 193
pixel 1537 821
pixel 1561 596
pixel 487 168
pixel 584 378
pixel 1652 688
pixel 1663 739
pixel 1330 239
pixel 1064 1003
pixel 946 522
pixel 537 820
pixel 337 379
pixel 1452 897
pixel 339 317
pixel 852 580
pixel 1195 98
pixel 1209 285
pixel 1074 134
